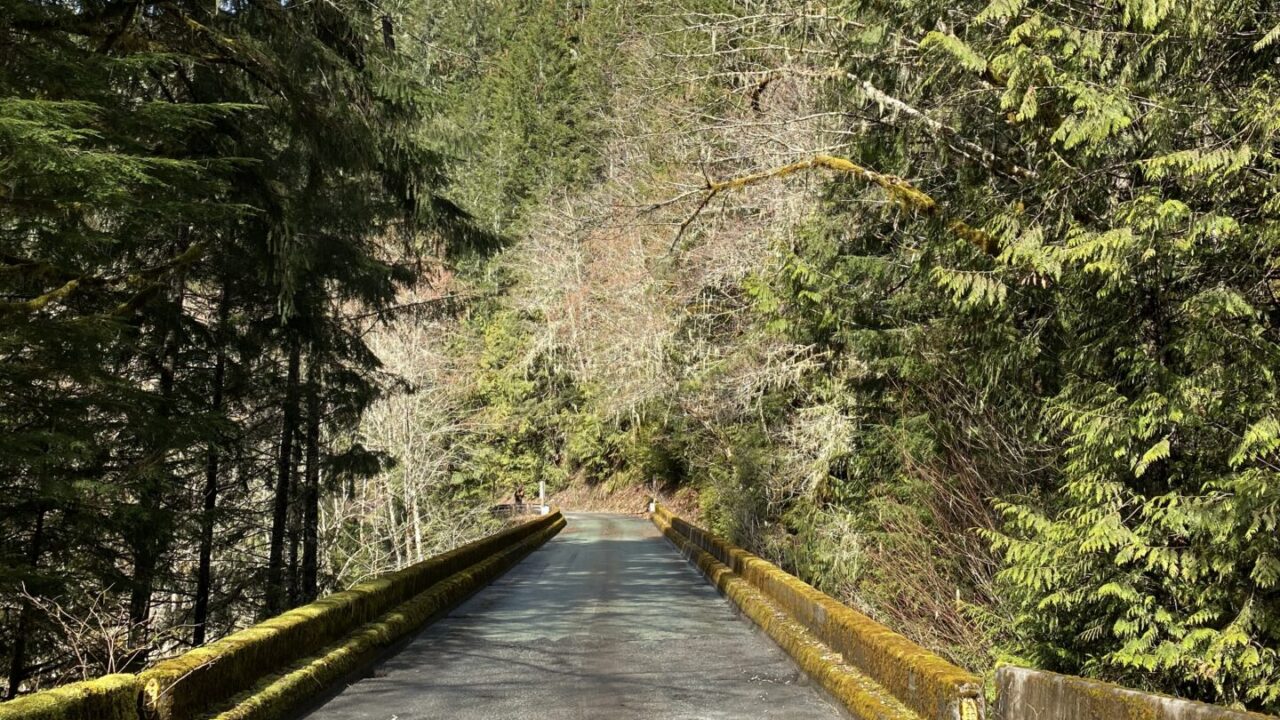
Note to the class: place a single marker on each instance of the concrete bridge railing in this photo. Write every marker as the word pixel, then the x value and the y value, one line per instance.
pixel 1024 694
pixel 875 672
pixel 878 674
pixel 267 671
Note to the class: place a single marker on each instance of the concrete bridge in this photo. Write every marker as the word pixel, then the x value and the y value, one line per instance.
pixel 604 621
pixel 585 616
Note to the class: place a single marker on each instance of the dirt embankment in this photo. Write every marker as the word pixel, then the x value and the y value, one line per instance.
pixel 633 499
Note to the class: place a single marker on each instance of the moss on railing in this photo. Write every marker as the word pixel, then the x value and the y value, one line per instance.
pixel 194 682
pixel 278 696
pixel 861 695
pixel 313 644
pixel 113 697
pixel 928 684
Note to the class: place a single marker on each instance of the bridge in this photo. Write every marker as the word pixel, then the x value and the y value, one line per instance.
pixel 605 621
pixel 585 616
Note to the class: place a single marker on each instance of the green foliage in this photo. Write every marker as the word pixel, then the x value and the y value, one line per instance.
pixel 1056 446
pixel 521 400
pixel 521 112
pixel 1108 374
pixel 1059 445
pixel 199 200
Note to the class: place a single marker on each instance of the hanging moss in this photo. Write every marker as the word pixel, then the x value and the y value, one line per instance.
pixel 113 697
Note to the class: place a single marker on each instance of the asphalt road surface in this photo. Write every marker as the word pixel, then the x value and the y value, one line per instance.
pixel 605 621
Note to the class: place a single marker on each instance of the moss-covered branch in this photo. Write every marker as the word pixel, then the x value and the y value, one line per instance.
pixel 901 191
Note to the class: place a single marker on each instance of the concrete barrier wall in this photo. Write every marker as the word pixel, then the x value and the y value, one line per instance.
pixel 1038 695
pixel 860 695
pixel 113 697
pixel 931 687
pixel 277 697
pixel 353 624
pixel 927 684
pixel 192 683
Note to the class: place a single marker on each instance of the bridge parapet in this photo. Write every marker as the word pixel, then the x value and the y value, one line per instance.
pixel 267 671
pixel 1038 695
pixel 203 679
pixel 930 686
pixel 111 697
pixel 925 686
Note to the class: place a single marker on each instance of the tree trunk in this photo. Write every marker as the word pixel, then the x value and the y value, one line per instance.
pixel 18 659
pixel 149 534
pixel 410 480
pixel 280 513
pixel 295 521
pixel 311 488
pixel 204 575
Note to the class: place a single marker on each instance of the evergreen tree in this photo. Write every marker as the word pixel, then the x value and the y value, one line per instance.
pixel 195 198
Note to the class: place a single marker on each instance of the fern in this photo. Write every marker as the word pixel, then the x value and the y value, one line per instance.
pixel 956 48
pixel 1001 10
pixel 1267 39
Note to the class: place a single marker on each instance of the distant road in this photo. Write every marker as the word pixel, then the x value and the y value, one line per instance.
pixel 606 621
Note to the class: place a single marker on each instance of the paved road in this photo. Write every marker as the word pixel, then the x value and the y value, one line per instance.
pixel 606 621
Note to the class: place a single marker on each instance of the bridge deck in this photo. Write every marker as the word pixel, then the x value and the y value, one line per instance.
pixel 605 621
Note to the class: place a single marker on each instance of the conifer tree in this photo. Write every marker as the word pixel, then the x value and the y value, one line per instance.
pixel 195 197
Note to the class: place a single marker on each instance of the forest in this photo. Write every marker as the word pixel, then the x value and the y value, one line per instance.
pixel 965 312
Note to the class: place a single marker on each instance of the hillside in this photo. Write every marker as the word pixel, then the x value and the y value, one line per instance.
pixel 1003 381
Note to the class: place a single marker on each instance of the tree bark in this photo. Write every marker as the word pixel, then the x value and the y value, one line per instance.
pixel 280 513
pixel 204 574
pixel 295 521
pixel 149 534
pixel 18 659
pixel 311 488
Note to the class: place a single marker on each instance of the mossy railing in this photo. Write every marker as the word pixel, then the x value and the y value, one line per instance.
pixel 278 695
pixel 264 671
pixel 113 697
pixel 859 660
pixel 927 685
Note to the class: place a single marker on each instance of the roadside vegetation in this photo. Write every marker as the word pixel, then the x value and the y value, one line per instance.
pixel 964 312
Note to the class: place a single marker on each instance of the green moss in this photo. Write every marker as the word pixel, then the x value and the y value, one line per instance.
pixel 863 697
pixel 113 697
pixel 928 684
pixel 189 685
pixel 278 696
